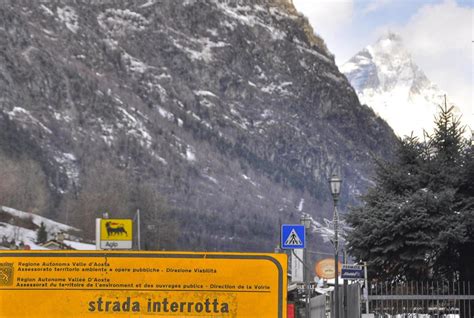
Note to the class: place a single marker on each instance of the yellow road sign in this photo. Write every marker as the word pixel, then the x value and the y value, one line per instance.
pixel 124 284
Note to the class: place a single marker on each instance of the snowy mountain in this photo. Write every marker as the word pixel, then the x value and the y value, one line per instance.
pixel 233 110
pixel 386 78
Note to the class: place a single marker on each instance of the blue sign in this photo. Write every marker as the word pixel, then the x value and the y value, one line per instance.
pixel 292 236
pixel 352 273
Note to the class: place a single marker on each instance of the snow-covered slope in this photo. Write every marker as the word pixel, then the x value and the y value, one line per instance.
pixel 386 78
pixel 18 227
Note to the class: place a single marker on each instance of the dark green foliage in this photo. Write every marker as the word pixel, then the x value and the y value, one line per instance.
pixel 416 220
pixel 41 234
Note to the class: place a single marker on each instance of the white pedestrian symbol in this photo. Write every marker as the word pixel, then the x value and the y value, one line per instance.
pixel 293 239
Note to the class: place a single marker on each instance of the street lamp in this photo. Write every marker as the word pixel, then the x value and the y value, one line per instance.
pixel 306 221
pixel 335 185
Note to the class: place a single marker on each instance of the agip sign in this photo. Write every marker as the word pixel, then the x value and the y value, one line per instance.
pixel 114 233
pixel 127 284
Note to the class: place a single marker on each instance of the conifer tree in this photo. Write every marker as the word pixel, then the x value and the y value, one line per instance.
pixel 41 234
pixel 412 224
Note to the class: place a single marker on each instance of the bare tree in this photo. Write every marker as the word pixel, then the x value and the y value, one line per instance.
pixel 158 224
pixel 104 188
pixel 23 185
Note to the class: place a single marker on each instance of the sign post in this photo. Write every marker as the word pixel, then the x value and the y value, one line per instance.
pixel 128 283
pixel 293 236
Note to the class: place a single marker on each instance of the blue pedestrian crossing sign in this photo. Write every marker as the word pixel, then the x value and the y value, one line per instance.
pixel 292 236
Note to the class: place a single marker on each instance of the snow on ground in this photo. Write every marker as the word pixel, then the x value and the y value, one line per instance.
pixel 51 226
pixel 19 234
pixel 80 246
pixel 68 16
pixel 28 237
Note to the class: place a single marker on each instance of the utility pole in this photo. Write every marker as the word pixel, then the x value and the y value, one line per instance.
pixel 366 292
pixel 138 229
pixel 335 184
pixel 336 263
pixel 306 221
pixel 344 304
pixel 306 282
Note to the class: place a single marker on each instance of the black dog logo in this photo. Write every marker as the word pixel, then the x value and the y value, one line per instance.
pixel 115 229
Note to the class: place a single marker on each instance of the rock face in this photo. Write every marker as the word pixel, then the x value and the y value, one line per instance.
pixel 234 109
pixel 386 78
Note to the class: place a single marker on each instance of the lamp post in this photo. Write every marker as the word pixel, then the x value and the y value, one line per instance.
pixel 306 221
pixel 335 184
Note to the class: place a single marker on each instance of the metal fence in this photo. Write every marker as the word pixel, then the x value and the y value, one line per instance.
pixel 318 306
pixel 349 301
pixel 322 306
pixel 422 299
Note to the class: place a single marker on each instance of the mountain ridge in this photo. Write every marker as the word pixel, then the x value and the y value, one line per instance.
pixel 229 109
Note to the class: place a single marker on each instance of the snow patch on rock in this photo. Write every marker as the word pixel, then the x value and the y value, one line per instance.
pixel 190 154
pixel 68 16
pixel 200 49
pixel 165 114
pixel 67 163
pixel 22 115
pixel 118 22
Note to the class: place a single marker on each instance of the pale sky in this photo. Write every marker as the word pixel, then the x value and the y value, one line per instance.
pixel 438 33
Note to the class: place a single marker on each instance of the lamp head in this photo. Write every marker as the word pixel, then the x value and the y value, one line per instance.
pixel 335 184
pixel 306 221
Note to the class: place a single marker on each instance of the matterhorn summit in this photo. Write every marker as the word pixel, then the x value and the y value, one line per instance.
pixel 386 79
